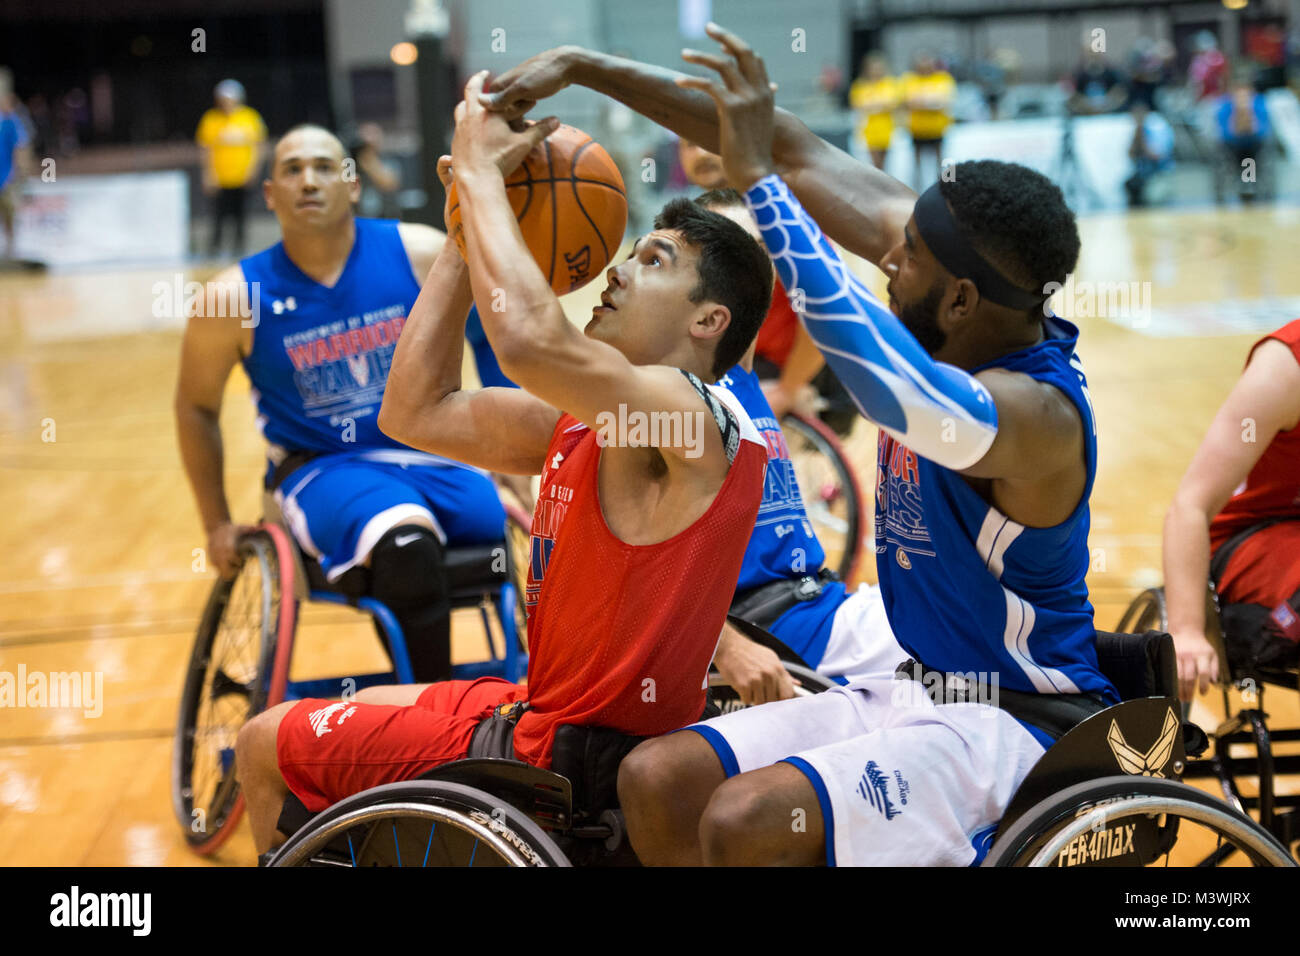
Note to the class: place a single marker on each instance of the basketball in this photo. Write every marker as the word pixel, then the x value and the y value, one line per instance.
pixel 571 205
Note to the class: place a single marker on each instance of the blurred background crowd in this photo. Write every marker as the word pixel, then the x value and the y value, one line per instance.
pixel 1123 103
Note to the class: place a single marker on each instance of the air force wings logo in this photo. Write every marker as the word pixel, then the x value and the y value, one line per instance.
pixel 1151 763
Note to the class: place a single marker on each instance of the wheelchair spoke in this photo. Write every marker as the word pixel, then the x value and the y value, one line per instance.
pixel 429 846
pixel 397 847
pixel 474 852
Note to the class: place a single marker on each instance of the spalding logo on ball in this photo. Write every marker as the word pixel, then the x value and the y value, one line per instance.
pixel 569 199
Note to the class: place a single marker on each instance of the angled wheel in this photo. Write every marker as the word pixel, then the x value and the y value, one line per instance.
pixel 238 668
pixel 1134 821
pixel 421 823
pixel 832 496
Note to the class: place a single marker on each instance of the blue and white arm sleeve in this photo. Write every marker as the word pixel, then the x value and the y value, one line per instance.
pixel 935 409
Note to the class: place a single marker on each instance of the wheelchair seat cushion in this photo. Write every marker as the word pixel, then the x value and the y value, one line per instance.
pixel 589 757
pixel 1139 665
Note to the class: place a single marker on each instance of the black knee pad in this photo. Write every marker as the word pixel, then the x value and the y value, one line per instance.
pixel 406 568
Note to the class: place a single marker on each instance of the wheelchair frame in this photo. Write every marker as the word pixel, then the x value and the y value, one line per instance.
pixel 822 438
pixel 1278 813
pixel 271 684
pixel 1054 817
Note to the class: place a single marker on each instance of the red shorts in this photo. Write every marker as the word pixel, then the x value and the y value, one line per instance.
pixel 1265 568
pixel 329 749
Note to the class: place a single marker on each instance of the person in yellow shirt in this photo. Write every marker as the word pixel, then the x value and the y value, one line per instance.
pixel 874 96
pixel 232 138
pixel 928 93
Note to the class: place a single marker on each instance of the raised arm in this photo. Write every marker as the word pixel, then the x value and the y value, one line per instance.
pixel 501 429
pixel 858 206
pixel 536 344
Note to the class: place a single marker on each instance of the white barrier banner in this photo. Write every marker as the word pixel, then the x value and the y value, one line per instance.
pixel 82 220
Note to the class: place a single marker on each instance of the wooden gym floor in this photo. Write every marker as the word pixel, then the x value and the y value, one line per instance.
pixel 99 529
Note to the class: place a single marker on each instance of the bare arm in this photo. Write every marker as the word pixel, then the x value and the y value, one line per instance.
pixel 857 205
pixel 501 429
pixel 1264 401
pixel 209 351
pixel 422 244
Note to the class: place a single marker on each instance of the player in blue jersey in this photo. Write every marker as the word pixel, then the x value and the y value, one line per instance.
pixel 987 457
pixel 314 320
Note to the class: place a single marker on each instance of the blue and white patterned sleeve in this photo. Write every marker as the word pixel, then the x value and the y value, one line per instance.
pixel 935 409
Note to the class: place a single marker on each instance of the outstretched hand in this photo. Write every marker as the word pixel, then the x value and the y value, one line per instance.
pixel 745 104
pixel 517 91
pixel 485 140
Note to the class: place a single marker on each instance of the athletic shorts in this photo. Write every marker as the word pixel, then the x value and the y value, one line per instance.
pixel 900 780
pixel 331 749
pixel 339 506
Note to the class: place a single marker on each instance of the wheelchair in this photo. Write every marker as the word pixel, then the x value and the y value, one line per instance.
pixel 241 660
pixel 1243 728
pixel 832 496
pixel 1093 799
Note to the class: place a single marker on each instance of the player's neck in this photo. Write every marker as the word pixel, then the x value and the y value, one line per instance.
pixel 322 255
pixel 980 342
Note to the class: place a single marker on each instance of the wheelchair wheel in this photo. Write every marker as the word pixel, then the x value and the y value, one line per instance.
pixel 239 666
pixel 831 494
pixel 1093 823
pixel 519 529
pixel 420 823
pixel 1147 613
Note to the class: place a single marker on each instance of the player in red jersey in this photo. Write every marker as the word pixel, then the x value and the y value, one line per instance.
pixel 1238 509
pixel 651 481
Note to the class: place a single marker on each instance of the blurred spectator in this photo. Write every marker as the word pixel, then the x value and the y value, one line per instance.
pixel 1151 151
pixel 928 93
pixel 379 181
pixel 1244 129
pixel 1149 69
pixel 994 74
pixel 232 137
pixel 1208 73
pixel 874 96
pixel 1098 86
pixel 14 157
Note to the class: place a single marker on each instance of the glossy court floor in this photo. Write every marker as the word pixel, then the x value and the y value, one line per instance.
pixel 98 529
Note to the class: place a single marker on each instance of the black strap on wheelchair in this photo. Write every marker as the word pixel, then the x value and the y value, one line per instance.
pixel 1219 562
pixel 764 605
pixel 1054 714
pixel 288 465
pixel 495 734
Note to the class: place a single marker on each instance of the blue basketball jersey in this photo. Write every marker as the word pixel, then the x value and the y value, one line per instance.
pixel 968 589
pixel 783 544
pixel 320 356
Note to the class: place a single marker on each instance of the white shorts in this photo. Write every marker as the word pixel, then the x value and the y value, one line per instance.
pixel 900 781
pixel 862 643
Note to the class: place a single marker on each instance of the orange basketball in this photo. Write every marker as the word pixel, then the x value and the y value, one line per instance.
pixel 569 199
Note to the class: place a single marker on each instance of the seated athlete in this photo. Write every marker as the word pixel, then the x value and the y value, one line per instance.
pixel 628 586
pixel 328 303
pixel 1236 519
pixel 782 585
pixel 987 457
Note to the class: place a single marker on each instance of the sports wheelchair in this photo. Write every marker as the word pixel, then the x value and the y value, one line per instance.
pixel 1245 728
pixel 242 655
pixel 1073 808
pixel 832 496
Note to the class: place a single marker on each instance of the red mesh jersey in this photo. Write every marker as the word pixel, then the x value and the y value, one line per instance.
pixel 1271 490
pixel 776 335
pixel 621 635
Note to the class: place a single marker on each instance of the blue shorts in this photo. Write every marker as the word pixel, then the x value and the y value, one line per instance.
pixel 339 506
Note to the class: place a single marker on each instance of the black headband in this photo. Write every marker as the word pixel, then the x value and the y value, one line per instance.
pixel 943 237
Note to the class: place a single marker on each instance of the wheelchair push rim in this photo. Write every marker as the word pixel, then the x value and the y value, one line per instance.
pixel 241 651
pixel 420 824
pixel 1044 834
